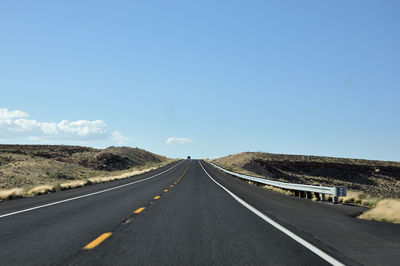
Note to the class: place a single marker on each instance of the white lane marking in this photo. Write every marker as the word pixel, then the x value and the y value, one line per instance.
pixel 88 195
pixel 303 242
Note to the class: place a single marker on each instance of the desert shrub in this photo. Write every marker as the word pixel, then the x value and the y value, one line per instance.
pixel 62 175
pixel 387 210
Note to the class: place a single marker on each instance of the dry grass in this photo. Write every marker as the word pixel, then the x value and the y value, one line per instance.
pixel 11 193
pixel 361 198
pixel 28 170
pixel 29 191
pixel 387 210
pixel 38 190
pixel 73 184
pixel 104 179
pixel 26 192
pixel 277 189
pixel 95 180
pixel 33 165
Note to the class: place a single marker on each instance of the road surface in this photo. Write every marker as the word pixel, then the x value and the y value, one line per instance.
pixel 188 213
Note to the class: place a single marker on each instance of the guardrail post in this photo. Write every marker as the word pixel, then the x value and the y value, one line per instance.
pixel 308 195
pixel 302 194
pixel 318 196
pixel 335 199
pixel 322 195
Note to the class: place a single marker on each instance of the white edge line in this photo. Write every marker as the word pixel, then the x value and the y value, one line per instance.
pixel 87 195
pixel 303 242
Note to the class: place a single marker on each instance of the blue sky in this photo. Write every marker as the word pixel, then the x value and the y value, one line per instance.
pixel 213 77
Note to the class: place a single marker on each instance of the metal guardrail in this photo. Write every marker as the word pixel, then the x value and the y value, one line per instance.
pixel 334 191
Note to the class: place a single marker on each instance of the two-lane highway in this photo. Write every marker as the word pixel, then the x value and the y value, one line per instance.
pixel 186 213
pixel 198 223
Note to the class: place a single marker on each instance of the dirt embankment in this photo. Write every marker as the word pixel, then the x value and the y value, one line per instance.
pixel 25 166
pixel 374 184
pixel 374 178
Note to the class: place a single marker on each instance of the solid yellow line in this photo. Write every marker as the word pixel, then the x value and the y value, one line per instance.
pixel 97 241
pixel 139 210
pixel 156 197
pixel 165 190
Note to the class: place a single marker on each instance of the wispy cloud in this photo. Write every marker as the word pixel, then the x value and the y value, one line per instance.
pixel 177 140
pixel 118 137
pixel 16 124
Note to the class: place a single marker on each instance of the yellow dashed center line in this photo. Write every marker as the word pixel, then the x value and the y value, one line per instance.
pixel 139 210
pixel 104 236
pixel 97 241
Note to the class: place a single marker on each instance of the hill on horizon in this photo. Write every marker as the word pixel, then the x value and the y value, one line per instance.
pixel 25 165
pixel 375 178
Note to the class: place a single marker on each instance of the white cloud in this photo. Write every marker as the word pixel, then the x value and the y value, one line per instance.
pixel 15 124
pixel 177 140
pixel 8 115
pixel 118 137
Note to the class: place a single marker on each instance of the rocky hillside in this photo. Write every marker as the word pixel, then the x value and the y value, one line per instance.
pixel 22 165
pixel 375 178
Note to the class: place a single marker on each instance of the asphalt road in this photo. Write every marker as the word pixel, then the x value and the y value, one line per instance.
pixel 188 213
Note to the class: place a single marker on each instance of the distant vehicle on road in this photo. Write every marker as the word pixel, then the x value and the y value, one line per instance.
pixel 188 157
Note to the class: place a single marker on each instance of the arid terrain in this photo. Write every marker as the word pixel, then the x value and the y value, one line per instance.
pixel 27 166
pixel 374 184
pixel 374 178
